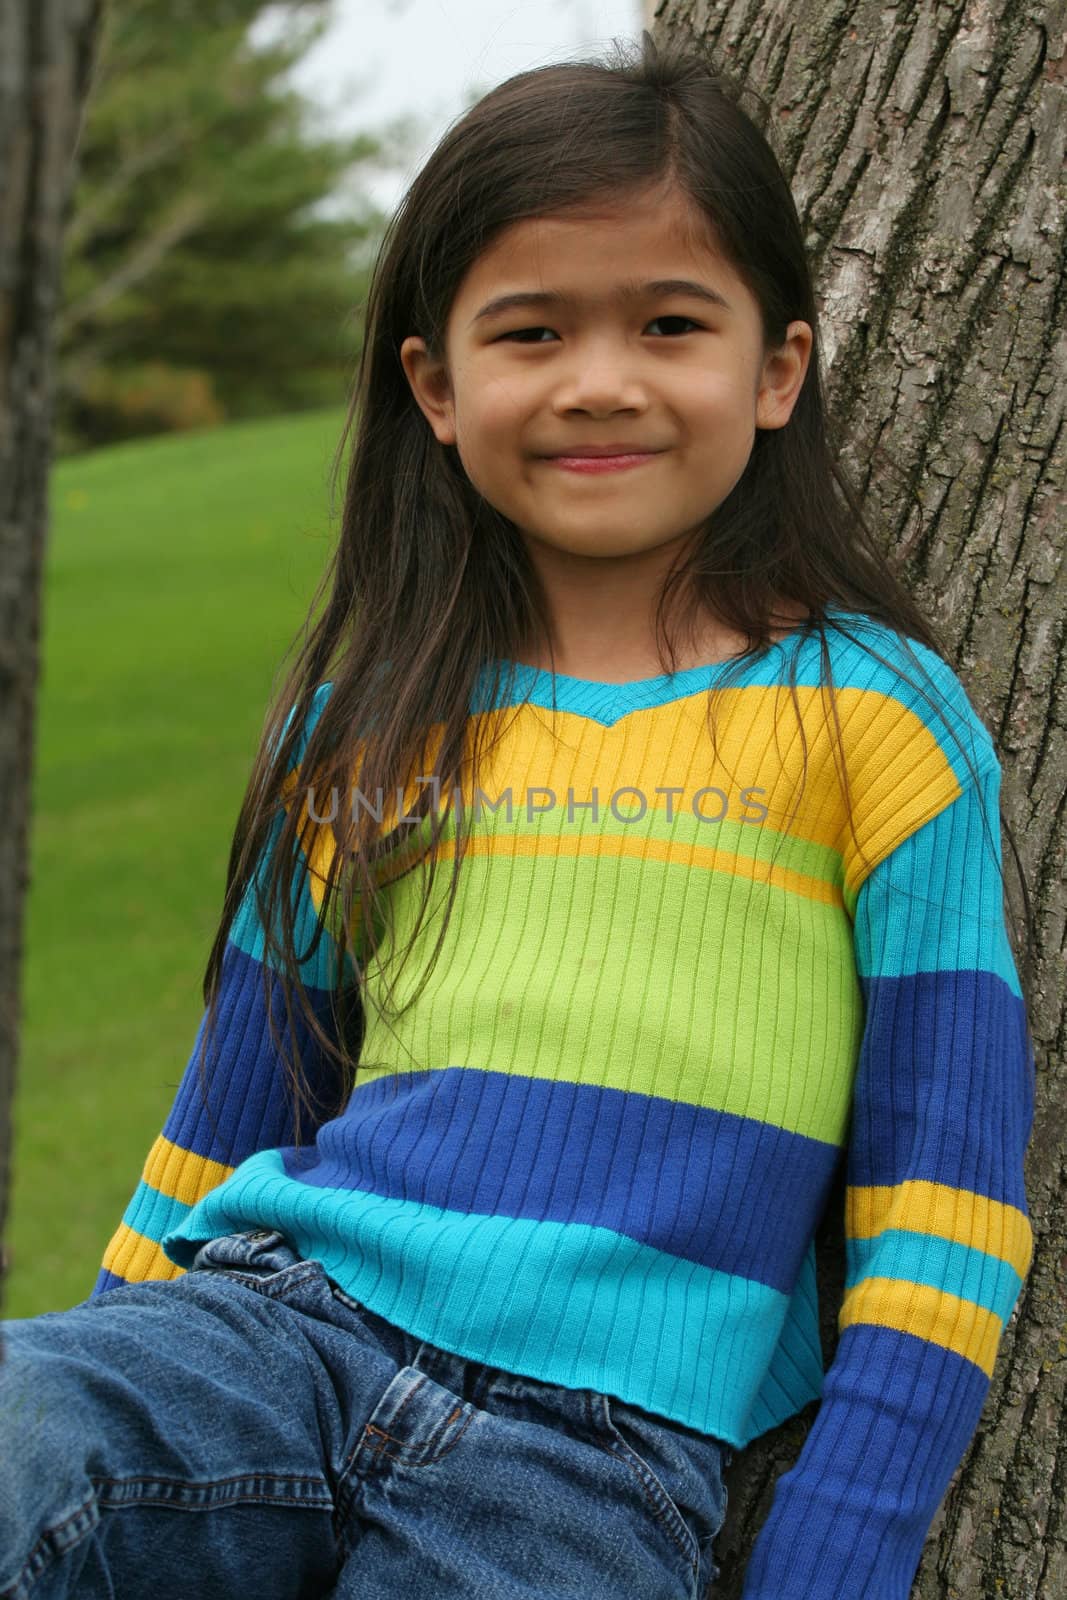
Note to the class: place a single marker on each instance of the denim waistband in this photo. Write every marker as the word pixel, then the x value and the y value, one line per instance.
pixel 263 1252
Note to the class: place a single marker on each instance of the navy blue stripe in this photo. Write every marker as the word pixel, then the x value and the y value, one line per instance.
pixel 106 1280
pixel 243 1110
pixel 728 1192
pixel 943 1060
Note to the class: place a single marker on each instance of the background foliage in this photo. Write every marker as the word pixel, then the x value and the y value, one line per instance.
pixel 178 570
pixel 218 247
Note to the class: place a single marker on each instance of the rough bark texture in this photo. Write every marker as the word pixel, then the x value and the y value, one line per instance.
pixel 925 149
pixel 46 55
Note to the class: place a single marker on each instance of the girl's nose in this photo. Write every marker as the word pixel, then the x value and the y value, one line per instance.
pixel 606 385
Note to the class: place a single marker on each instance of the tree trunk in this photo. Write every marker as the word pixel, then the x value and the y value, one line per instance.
pixel 925 150
pixel 46 60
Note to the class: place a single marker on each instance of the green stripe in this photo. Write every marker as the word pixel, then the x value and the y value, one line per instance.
pixel 622 969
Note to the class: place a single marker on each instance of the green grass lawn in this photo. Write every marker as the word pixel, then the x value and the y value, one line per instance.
pixel 178 571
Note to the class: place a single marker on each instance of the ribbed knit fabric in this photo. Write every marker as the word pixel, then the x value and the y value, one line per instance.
pixel 597 1148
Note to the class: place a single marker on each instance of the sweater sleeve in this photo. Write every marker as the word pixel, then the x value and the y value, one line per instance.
pixel 240 1101
pixel 937 1233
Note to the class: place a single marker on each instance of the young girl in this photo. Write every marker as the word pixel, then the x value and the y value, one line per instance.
pixel 480 1235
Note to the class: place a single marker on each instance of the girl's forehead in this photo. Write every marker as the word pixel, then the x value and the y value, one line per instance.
pixel 669 221
pixel 605 255
pixel 663 237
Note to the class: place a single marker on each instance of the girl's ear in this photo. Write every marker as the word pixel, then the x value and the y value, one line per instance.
pixel 784 371
pixel 431 387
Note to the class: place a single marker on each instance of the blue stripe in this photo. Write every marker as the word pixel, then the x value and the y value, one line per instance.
pixel 559 1301
pixel 957 1041
pixel 244 1109
pixel 940 1263
pixel 850 1517
pixel 106 1280
pixel 318 700
pixel 246 931
pixel 732 1193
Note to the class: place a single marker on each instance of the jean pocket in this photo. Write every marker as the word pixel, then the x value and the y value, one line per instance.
pixel 687 1465
pixel 657 1476
pixel 415 1423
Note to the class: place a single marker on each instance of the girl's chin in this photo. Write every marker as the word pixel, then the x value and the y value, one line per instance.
pixel 598 543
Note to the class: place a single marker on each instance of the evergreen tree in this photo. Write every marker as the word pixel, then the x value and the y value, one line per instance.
pixel 203 279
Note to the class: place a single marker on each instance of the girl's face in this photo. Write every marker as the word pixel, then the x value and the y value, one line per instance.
pixel 591 361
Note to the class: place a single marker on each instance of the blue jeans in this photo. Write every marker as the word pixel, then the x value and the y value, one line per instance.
pixel 250 1430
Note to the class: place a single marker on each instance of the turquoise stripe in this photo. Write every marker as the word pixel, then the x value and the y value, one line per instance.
pixel 796 1366
pixel 246 931
pixel 938 700
pixel 936 903
pixel 941 1263
pixel 950 718
pixel 154 1214
pixel 563 1302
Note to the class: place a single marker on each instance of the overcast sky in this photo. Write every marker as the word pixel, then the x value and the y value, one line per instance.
pixel 386 59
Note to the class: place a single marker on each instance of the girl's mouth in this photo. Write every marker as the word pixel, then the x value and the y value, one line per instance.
pixel 600 463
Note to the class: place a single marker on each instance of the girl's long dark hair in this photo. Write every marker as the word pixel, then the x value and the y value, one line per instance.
pixel 429 583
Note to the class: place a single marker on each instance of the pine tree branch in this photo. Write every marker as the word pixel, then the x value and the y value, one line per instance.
pixel 142 159
pixel 184 218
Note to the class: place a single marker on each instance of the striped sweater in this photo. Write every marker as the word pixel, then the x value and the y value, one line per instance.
pixel 677 994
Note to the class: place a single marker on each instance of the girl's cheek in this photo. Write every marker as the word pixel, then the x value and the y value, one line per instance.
pixel 502 409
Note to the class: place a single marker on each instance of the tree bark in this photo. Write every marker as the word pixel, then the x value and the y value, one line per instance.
pixel 46 61
pixel 925 150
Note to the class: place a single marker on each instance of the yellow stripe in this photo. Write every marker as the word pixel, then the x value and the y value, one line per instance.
pixel 689 855
pixel 133 1257
pixel 758 748
pixel 597 846
pixel 931 1314
pixel 955 1214
pixel 181 1175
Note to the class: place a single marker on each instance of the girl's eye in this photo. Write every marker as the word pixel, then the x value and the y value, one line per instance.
pixel 519 332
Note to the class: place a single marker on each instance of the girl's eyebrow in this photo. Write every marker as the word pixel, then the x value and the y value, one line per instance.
pixel 628 291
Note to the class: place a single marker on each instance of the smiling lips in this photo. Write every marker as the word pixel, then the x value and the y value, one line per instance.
pixel 602 462
pixel 613 457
